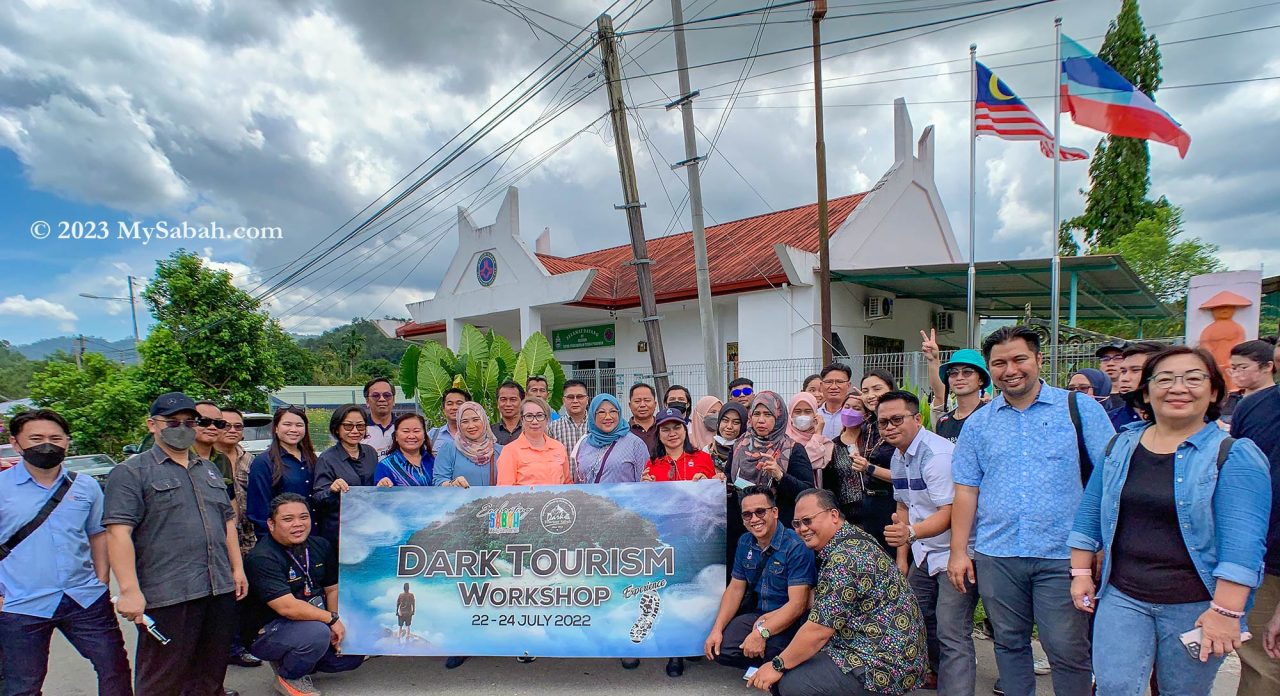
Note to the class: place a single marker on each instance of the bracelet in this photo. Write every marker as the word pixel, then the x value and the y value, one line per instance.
pixel 1081 572
pixel 1217 608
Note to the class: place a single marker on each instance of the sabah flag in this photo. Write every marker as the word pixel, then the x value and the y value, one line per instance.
pixel 1098 97
pixel 999 112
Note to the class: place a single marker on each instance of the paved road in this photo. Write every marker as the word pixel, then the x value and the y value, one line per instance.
pixel 70 675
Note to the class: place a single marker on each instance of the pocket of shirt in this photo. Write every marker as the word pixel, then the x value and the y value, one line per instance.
pixel 164 494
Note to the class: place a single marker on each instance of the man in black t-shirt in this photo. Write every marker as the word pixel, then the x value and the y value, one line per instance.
pixel 293 578
pixel 965 375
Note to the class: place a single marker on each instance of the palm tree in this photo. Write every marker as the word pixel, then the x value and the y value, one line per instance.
pixel 350 346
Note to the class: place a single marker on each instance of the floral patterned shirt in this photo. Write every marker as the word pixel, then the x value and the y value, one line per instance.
pixel 878 626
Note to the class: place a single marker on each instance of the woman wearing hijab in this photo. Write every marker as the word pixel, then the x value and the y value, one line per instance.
pixel 470 459
pixel 610 453
pixel 704 421
pixel 765 456
pixel 804 425
pixel 1090 382
pixel 730 423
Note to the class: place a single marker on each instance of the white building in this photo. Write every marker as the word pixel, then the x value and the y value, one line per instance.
pixel 763 281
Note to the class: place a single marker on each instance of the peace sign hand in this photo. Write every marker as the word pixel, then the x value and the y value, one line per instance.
pixel 929 347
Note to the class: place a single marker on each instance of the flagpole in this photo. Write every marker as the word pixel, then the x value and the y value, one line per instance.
pixel 972 316
pixel 1055 266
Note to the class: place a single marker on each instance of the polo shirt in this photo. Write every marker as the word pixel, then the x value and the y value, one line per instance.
pixel 522 464
pixel 296 478
pixel 55 560
pixel 922 482
pixel 1258 418
pixel 648 435
pixel 789 564
pixel 275 572
pixel 380 438
pixel 505 436
pixel 179 518
pixel 1026 465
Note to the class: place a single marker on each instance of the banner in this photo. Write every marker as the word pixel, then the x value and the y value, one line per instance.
pixel 605 570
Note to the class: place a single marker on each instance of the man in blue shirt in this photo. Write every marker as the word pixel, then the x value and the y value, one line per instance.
pixel 1017 470
pixel 57 576
pixel 762 607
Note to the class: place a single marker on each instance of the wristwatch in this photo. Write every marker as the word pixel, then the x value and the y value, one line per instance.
pixel 764 632
pixel 779 665
pixel 871 469
pixel 332 620
pixel 911 535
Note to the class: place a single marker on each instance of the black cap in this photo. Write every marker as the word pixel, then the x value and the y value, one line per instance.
pixel 171 403
pixel 668 415
pixel 1117 344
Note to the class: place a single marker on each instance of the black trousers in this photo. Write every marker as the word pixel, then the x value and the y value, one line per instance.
pixel 738 630
pixel 195 660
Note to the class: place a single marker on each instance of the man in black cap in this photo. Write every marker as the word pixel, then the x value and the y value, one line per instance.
pixel 1110 359
pixel 172 544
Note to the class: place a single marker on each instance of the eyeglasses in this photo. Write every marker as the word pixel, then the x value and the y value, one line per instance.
pixel 961 372
pixel 605 414
pixel 574 397
pixel 380 396
pixel 1114 357
pixel 800 522
pixel 742 391
pixel 895 421
pixel 1193 379
pixel 174 423
pixel 352 427
pixel 1084 388
pixel 204 422
pixel 834 382
pixel 748 515
pixel 235 427
pixel 533 417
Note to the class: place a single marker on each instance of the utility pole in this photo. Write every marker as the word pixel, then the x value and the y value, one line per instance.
pixel 79 351
pixel 631 203
pixel 133 310
pixel 692 162
pixel 824 250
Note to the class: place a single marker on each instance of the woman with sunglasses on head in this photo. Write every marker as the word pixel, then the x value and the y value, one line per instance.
pixel 410 462
pixel 1181 512
pixel 766 456
pixel 287 466
pixel 349 462
pixel 872 459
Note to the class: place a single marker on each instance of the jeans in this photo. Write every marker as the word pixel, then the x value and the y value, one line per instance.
pixel 92 630
pixel 948 622
pixel 1132 636
pixel 195 660
pixel 1019 593
pixel 737 631
pixel 1259 674
pixel 301 648
pixel 819 676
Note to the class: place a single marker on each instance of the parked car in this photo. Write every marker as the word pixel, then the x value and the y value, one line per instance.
pixel 8 456
pixel 98 466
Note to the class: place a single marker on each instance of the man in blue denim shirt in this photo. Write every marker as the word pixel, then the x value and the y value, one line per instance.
pixel 774 571
pixel 1017 469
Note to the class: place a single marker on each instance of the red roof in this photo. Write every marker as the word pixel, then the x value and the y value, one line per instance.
pixel 740 256
pixel 413 329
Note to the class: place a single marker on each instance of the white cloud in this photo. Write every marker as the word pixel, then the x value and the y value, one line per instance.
pixel 38 308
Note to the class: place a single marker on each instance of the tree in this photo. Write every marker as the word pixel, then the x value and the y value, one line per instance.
pixel 104 402
pixel 211 339
pixel 349 345
pixel 15 372
pixel 1119 173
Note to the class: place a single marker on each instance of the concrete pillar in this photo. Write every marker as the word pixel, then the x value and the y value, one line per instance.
pixel 453 332
pixel 530 323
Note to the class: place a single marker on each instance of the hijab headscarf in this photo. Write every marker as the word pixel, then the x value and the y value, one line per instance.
pixel 720 451
pixel 597 437
pixel 816 445
pixel 752 447
pixel 479 450
pixel 1099 380
pixel 698 433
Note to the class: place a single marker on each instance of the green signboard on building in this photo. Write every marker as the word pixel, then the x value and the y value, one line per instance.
pixel 582 337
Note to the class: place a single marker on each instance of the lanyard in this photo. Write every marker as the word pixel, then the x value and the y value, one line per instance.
pixel 305 567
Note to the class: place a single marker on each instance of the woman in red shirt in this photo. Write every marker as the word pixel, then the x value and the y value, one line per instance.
pixel 674 458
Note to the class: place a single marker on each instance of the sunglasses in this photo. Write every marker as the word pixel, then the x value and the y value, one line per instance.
pixel 353 427
pixel 205 422
pixel 748 515
pixel 380 396
pixel 742 391
pixel 961 372
pixel 800 522
pixel 175 423
pixel 235 427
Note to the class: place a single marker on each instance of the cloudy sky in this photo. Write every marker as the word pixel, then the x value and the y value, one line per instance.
pixel 301 115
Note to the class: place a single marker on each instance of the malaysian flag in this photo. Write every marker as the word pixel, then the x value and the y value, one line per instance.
pixel 999 112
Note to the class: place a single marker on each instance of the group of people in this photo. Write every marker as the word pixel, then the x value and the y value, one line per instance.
pixel 860 540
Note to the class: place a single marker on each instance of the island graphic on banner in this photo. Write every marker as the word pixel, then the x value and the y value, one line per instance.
pixel 604 570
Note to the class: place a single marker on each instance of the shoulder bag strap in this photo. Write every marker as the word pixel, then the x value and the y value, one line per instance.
pixel 30 527
pixel 1086 464
pixel 1224 450
pixel 604 460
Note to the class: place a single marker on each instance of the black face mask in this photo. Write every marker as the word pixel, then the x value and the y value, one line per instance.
pixel 680 406
pixel 44 456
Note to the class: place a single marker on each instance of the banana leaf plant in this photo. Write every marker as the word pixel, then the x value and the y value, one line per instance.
pixel 483 362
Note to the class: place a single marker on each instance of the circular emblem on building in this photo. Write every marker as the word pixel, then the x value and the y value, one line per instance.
pixel 487 268
pixel 558 516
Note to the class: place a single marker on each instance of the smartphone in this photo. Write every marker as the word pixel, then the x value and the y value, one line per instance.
pixel 1191 641
pixel 750 671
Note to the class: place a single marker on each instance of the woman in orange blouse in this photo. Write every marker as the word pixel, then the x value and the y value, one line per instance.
pixel 533 458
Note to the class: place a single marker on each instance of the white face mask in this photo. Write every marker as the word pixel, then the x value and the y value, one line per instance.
pixel 724 441
pixel 802 423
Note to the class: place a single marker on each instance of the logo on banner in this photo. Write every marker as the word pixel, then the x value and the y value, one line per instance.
pixel 558 516
pixel 503 520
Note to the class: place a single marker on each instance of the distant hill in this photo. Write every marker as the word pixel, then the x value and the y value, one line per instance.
pixel 376 345
pixel 121 350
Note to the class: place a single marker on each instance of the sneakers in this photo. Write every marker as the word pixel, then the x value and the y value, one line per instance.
pixel 1042 666
pixel 301 686
pixel 526 659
